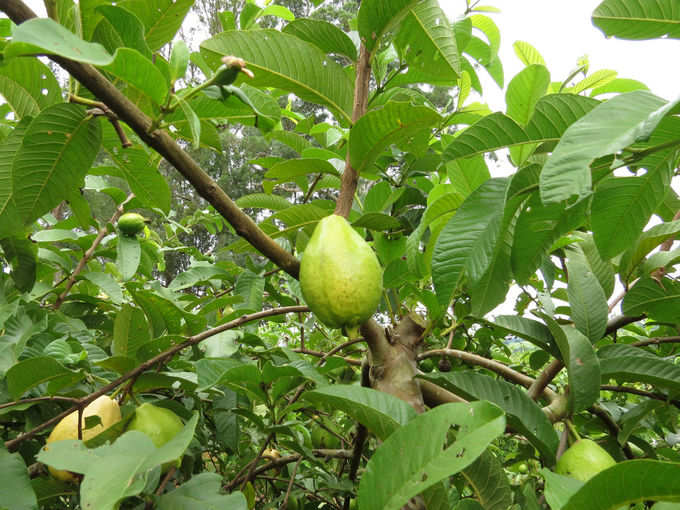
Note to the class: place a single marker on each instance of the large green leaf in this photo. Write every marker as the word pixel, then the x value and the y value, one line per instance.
pixel 627 363
pixel 377 17
pixel 11 222
pixel 379 412
pixel 622 207
pixel 638 19
pixel 427 42
pixel 391 124
pixel 323 34
pixel 161 18
pixel 533 331
pixel 582 364
pixel 120 28
pixel 524 415
pixel 388 485
pixel 14 474
pixel 134 68
pixel 551 117
pixel 31 372
pixel 587 252
pixel 489 481
pixel 28 86
pixel 628 482
pixel 57 151
pixel 202 491
pixel 524 91
pixel 286 62
pixel 46 36
pixel 644 244
pixel 606 129
pixel 659 300
pixel 587 301
pixel 467 242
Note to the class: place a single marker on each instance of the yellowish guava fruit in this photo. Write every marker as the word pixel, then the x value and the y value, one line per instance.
pixel 340 276
pixel 583 460
pixel 130 224
pixel 160 424
pixel 109 413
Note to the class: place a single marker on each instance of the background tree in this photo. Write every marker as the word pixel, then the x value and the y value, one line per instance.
pixel 198 315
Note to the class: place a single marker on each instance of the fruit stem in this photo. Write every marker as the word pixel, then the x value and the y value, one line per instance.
pixel 572 430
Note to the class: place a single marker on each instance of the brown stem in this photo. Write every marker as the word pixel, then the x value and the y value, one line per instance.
pixel 643 393
pixel 657 340
pixel 161 358
pixel 290 484
pixel 39 399
pixel 88 254
pixel 350 177
pixel 545 377
pixel 320 354
pixel 167 147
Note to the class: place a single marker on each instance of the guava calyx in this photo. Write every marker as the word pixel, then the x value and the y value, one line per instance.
pixel 109 413
pixel 340 276
pixel 130 224
pixel 583 460
pixel 227 73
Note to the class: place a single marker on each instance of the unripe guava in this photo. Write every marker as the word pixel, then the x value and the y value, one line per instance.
pixel 131 224
pixel 583 460
pixel 340 276
pixel 160 424
pixel 109 413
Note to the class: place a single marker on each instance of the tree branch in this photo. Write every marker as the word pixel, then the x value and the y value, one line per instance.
pixel 167 147
pixel 162 358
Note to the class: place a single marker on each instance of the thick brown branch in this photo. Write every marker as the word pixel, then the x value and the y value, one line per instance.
pixel 166 146
pixel 160 359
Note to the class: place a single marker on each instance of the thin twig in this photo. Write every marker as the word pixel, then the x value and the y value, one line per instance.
pixel 290 484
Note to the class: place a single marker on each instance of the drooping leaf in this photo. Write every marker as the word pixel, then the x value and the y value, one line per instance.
pixel 490 483
pixel 606 129
pixel 119 27
pixel 204 491
pixel 587 301
pixel 376 18
pixel 388 485
pixel 161 18
pixel 659 300
pixel 636 365
pixel 523 414
pixel 14 474
pixel 323 34
pixel 28 86
pixel 134 68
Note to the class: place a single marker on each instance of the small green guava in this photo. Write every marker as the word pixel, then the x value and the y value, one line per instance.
pixel 583 460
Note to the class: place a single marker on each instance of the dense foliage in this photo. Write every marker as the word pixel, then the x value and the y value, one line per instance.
pixel 192 311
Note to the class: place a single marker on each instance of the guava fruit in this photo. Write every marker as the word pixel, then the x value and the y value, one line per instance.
pixel 227 73
pixel 160 424
pixel 109 413
pixel 340 276
pixel 583 460
pixel 131 224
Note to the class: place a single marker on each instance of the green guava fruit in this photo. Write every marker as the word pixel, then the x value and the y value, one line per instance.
pixel 109 413
pixel 340 276
pixel 227 73
pixel 131 224
pixel 160 424
pixel 583 460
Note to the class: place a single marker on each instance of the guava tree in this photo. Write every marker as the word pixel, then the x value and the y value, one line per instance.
pixel 438 401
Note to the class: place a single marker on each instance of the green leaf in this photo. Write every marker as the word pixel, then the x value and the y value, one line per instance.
pixel 286 62
pixel 587 252
pixel 644 244
pixel 193 121
pixel 527 53
pixel 660 300
pixel 559 488
pixel 161 18
pixel 632 364
pixel 11 222
pixel 30 373
pixel 325 35
pixel 28 86
pixel 493 132
pixel 377 221
pixel 637 19
pixel 57 151
pixel 179 59
pixel 391 124
pixel 22 254
pixel 628 482
pixel 376 18
pixel 622 207
pixel 202 491
pixel 106 283
pixel 14 474
pixel 379 412
pixel 524 91
pixel 263 201
pixel 523 414
pixel 582 364
pixel 608 128
pixel 589 309
pixel 466 243
pixel 129 254
pixel 427 41
pixel 130 331
pixel 388 485
pixel 134 68
pixel 46 36
pixel 533 331
pixel 488 480
pixel 119 28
